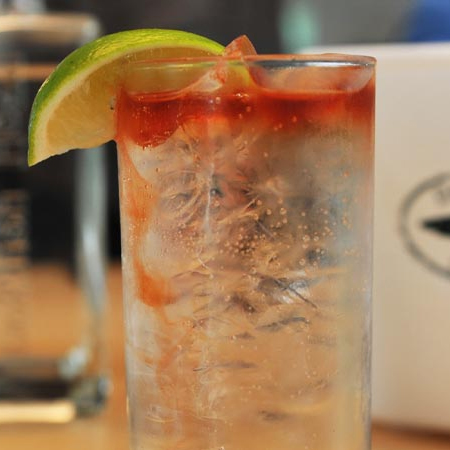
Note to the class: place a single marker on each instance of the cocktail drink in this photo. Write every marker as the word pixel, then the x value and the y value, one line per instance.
pixel 246 211
pixel 246 215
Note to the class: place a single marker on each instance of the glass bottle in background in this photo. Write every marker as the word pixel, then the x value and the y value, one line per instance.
pixel 52 236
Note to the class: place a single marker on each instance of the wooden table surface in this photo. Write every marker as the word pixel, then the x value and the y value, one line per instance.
pixel 108 430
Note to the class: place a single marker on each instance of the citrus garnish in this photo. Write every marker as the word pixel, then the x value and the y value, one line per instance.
pixel 74 107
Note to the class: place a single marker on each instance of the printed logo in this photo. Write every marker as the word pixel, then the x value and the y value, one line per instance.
pixel 425 224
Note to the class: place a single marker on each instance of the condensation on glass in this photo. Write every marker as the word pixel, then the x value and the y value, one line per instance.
pixel 246 215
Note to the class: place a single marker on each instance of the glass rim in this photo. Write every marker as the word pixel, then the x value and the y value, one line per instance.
pixel 330 60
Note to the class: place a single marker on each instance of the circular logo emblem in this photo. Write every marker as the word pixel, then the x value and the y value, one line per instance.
pixel 425 224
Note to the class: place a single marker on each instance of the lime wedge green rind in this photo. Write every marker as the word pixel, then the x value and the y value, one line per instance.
pixel 83 62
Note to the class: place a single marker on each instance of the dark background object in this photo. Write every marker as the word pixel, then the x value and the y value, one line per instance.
pixel 219 20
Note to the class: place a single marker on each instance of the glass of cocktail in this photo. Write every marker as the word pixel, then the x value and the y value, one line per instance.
pixel 246 214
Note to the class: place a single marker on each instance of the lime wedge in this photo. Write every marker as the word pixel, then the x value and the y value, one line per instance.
pixel 74 108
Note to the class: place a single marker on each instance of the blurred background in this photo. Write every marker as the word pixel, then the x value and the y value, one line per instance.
pixel 291 26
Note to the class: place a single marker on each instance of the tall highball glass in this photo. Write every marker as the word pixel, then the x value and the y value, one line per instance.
pixel 246 215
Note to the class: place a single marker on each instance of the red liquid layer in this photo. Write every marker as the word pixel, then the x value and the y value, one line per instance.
pixel 149 119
